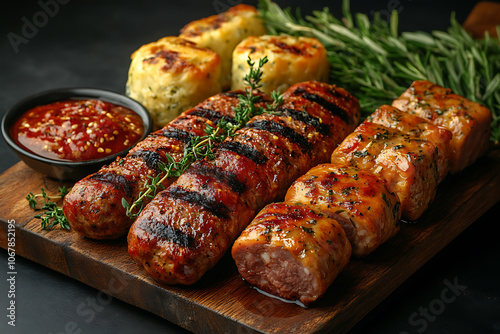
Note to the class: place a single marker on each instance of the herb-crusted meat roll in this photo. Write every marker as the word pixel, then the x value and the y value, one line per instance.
pixel 406 163
pixel 468 121
pixel 418 127
pixel 360 201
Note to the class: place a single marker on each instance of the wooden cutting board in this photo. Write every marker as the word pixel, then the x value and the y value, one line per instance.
pixel 222 301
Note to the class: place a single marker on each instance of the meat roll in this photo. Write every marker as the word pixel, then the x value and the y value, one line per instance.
pixel 468 121
pixel 292 251
pixel 406 163
pixel 418 127
pixel 360 201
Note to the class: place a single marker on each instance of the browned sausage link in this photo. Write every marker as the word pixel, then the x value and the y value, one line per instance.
pixel 292 251
pixel 213 201
pixel 94 205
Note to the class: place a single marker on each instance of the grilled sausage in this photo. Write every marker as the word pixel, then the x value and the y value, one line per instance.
pixel 292 251
pixel 468 121
pixel 406 163
pixel 94 205
pixel 187 227
pixel 360 201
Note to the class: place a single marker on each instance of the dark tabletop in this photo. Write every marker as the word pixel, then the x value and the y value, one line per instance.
pixel 88 44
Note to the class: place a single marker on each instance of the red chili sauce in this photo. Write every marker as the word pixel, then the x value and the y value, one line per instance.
pixel 78 130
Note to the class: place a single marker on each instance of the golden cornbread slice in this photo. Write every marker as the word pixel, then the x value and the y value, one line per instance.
pixel 172 75
pixel 291 60
pixel 223 32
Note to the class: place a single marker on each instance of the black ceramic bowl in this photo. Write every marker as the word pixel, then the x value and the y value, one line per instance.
pixel 64 170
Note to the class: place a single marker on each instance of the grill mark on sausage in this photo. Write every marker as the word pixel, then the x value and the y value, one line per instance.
pixel 236 94
pixel 173 133
pixel 211 114
pixel 335 109
pixel 165 232
pixel 304 117
pixel 216 208
pixel 117 181
pixel 244 150
pixel 279 129
pixel 151 158
pixel 232 93
pixel 217 173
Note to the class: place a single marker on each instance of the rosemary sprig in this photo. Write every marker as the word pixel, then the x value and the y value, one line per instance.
pixel 203 147
pixel 53 215
pixel 376 63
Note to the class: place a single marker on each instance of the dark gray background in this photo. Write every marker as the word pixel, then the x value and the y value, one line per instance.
pixel 88 43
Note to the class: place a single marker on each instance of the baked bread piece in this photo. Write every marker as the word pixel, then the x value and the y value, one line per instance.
pixel 172 75
pixel 291 60
pixel 221 33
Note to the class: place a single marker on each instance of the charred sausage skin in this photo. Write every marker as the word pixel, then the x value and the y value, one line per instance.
pixel 187 228
pixel 94 205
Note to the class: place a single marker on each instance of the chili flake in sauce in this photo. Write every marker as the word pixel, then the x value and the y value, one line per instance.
pixel 78 130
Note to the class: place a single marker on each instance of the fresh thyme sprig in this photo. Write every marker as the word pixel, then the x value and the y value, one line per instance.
pixel 53 214
pixel 203 147
pixel 376 63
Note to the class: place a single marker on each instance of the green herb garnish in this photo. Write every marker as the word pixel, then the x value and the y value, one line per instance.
pixel 53 214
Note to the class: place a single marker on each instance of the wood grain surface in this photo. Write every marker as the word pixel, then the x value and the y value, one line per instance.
pixel 222 301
